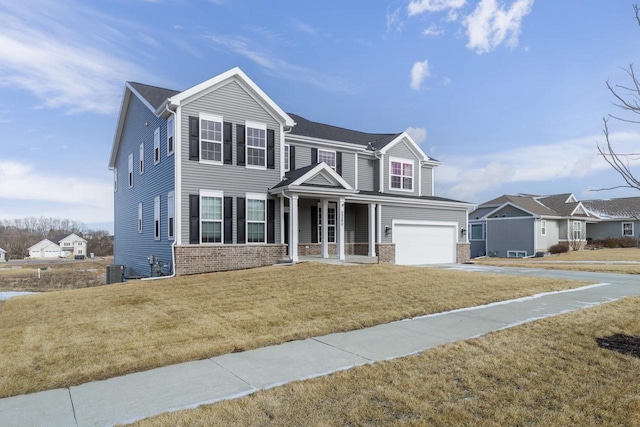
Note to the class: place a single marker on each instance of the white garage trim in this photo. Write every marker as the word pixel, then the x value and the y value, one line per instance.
pixel 425 242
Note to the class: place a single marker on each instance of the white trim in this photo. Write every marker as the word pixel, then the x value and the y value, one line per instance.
pixel 171 214
pixel 156 146
pixel 412 146
pixel 632 229
pixel 504 205
pixel 516 252
pixel 381 174
pixel 115 180
pixel 212 193
pixel 141 159
pixel 178 176
pixel 140 218
pixel 259 126
pixel 543 227
pixel 317 169
pixel 335 157
pixel 419 179
pixel 211 118
pixel 433 182
pixel 483 225
pixel 506 218
pixel 403 162
pixel 260 197
pixel 130 170
pixel 286 158
pixel 355 184
pixel 170 119
pixel 157 229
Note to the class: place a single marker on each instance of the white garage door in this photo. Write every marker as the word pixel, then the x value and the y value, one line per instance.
pixel 424 243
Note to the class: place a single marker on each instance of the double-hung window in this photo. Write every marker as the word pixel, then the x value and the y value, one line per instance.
pixel 211 216
pixel 327 156
pixel 156 146
pixel 331 223
pixel 130 170
pixel 543 227
pixel 577 230
pixel 171 214
pixel 287 158
pixel 627 229
pixel 256 145
pixel 141 162
pixel 210 138
pixel 170 135
pixel 477 232
pixel 156 218
pixel 256 218
pixel 139 217
pixel 401 174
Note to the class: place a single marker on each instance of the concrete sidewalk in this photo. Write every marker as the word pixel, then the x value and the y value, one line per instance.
pixel 187 385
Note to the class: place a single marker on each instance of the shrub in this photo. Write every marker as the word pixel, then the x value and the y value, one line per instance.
pixel 559 248
pixel 615 242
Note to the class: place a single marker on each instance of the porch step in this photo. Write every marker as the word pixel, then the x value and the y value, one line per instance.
pixel 284 261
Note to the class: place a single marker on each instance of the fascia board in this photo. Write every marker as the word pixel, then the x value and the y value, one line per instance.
pixel 314 142
pixel 416 148
pixel 320 168
pixel 124 106
pixel 395 201
pixel 535 215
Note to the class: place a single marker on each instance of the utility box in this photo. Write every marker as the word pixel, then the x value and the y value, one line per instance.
pixel 115 273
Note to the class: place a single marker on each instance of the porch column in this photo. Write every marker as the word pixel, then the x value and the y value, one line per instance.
pixel 372 229
pixel 340 233
pixel 325 228
pixel 379 209
pixel 281 197
pixel 293 228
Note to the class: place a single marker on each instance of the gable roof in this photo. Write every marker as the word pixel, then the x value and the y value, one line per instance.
pixel 565 204
pixel 153 95
pixel 622 208
pixel 555 205
pixel 73 237
pixel 300 177
pixel 44 243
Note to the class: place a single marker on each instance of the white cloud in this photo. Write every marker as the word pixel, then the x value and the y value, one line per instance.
pixel 419 135
pixel 465 176
pixel 393 20
pixel 433 30
pixel 419 72
pixel 86 200
pixel 417 7
pixel 490 25
pixel 446 81
pixel 306 28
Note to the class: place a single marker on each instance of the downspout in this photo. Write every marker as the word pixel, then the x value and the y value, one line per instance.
pixel 175 239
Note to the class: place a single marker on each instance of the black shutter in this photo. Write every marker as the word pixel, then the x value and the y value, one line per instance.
pixel 241 220
pixel 226 146
pixel 194 140
pixel 271 149
pixel 292 157
pixel 194 218
pixel 240 139
pixel 271 224
pixel 228 219
pixel 314 224
pixel 339 162
pixel 314 155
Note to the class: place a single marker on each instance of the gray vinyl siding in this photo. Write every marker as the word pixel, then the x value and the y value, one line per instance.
pixel 319 180
pixel 130 247
pixel 303 156
pixel 390 212
pixel 509 212
pixel 356 223
pixel 367 174
pixel 562 229
pixel 427 181
pixel 236 106
pixel 510 235
pixel 304 219
pixel 478 248
pixel 401 151
pixel 552 235
pixel 602 230
pixel 349 168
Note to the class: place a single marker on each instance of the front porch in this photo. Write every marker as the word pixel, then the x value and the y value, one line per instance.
pixel 348 260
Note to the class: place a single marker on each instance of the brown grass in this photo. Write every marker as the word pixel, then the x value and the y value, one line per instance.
pixel 71 337
pixel 546 373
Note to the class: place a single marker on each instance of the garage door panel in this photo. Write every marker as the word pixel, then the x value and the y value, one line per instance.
pixel 424 244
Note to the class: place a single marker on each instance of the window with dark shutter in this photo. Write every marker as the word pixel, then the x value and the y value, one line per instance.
pixel 271 144
pixel 241 223
pixel 314 155
pixel 240 144
pixel 292 157
pixel 228 219
pixel 194 218
pixel 227 143
pixel 271 221
pixel 339 162
pixel 194 142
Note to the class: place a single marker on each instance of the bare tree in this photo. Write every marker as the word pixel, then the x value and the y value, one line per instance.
pixel 627 98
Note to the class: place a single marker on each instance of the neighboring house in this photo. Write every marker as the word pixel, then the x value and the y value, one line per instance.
pixel 617 218
pixel 3 255
pixel 219 177
pixel 520 226
pixel 71 244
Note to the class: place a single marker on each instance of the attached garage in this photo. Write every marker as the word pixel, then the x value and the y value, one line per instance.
pixel 424 242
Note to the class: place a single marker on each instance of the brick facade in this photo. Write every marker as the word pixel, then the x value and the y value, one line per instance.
pixel 305 249
pixel 386 253
pixel 194 259
pixel 463 253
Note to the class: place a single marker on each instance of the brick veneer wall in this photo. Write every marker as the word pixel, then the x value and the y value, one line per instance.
pixel 305 249
pixel 193 259
pixel 386 253
pixel 463 252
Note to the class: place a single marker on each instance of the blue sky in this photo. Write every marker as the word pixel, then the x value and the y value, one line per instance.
pixel 508 95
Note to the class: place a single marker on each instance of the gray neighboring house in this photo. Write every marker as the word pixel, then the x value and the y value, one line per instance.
pixel 219 177
pixel 521 225
pixel 616 218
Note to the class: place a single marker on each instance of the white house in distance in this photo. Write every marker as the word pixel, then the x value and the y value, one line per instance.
pixel 3 255
pixel 70 245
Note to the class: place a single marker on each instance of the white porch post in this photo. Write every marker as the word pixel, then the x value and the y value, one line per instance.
pixel 372 229
pixel 325 228
pixel 340 233
pixel 379 209
pixel 281 197
pixel 293 228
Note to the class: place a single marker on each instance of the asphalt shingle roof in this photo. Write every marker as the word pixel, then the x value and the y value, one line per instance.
pixel 624 208
pixel 552 205
pixel 154 95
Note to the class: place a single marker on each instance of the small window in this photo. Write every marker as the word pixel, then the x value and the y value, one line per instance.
pixel 329 157
pixel 516 254
pixel 256 144
pixel 211 138
pixel 543 227
pixel 171 209
pixel 141 162
pixel 477 231
pixel 211 217
pixel 130 170
pixel 156 218
pixel 287 158
pixel 139 217
pixel 170 135
pixel 256 218
pixel 401 175
pixel 331 223
pixel 577 230
pixel 156 146
pixel 627 229
pixel 115 180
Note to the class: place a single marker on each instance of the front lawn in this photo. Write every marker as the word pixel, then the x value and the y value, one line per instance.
pixel 70 337
pixel 546 373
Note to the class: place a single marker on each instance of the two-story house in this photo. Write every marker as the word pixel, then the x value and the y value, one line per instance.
pixel 219 177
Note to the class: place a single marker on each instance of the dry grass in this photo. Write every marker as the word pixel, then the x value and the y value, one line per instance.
pixel 53 276
pixel 71 337
pixel 580 258
pixel 545 373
